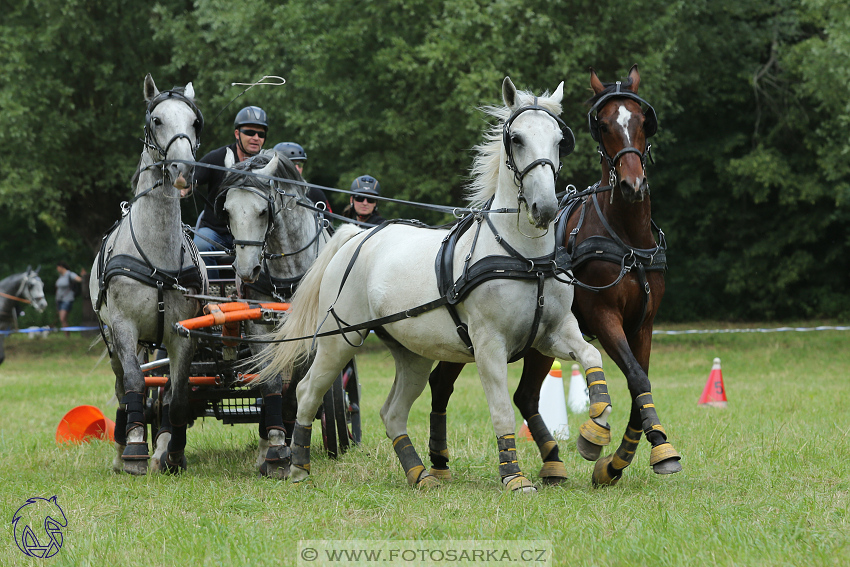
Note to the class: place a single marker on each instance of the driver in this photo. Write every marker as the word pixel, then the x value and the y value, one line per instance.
pixel 249 129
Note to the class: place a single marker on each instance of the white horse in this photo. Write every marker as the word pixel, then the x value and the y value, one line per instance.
pixel 276 238
pixel 145 265
pixel 17 289
pixel 393 273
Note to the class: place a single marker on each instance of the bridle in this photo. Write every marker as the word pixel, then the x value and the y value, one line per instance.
pixel 565 147
pixel 150 141
pixel 650 126
pixel 24 288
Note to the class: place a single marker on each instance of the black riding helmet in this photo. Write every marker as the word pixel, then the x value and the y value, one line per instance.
pixel 291 150
pixel 366 184
pixel 251 115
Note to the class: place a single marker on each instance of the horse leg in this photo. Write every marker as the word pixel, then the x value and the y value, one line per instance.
pixel 442 381
pixel 120 416
pixel 535 368
pixel 277 457
pixel 663 457
pixel 410 381
pixel 171 439
pixel 595 433
pixel 493 372
pixel 331 357
pixel 135 454
pixel 608 470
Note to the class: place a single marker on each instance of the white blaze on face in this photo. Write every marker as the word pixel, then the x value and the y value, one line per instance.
pixel 623 117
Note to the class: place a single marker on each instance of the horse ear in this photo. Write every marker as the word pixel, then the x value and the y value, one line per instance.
pixel 271 167
pixel 150 88
pixel 189 91
pixel 595 83
pixel 508 93
pixel 634 75
pixel 558 95
pixel 38 269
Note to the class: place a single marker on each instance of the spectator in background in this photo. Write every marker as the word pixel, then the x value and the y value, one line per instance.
pixel 298 157
pixel 361 206
pixel 65 292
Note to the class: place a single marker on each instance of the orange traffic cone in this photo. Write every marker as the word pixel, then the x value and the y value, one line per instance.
pixel 579 399
pixel 524 432
pixel 82 423
pixel 714 393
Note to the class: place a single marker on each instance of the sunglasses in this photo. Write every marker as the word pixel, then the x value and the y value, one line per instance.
pixel 360 199
pixel 252 133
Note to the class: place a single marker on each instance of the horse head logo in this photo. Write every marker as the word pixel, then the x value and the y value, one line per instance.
pixel 48 519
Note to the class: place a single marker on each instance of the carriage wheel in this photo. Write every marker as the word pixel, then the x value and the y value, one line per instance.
pixel 351 385
pixel 334 431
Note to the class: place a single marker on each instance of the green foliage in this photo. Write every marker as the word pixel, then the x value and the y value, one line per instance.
pixel 752 180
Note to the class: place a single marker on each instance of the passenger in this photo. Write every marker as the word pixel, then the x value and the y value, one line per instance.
pixel 361 207
pixel 249 129
pixel 298 157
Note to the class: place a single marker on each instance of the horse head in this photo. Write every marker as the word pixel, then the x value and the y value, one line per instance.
pixel 173 125
pixel 33 289
pixel 249 203
pixel 621 128
pixel 534 139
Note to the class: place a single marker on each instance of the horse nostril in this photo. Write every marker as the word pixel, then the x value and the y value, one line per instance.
pixel 255 273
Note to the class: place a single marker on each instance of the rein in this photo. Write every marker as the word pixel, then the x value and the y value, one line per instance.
pixel 21 299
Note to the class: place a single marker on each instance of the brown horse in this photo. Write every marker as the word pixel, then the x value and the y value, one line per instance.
pixel 618 267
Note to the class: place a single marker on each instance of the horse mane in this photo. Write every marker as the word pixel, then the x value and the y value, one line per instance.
pixel 484 173
pixel 609 87
pixel 285 170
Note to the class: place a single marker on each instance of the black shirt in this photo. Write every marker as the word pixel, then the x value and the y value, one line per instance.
pixel 212 178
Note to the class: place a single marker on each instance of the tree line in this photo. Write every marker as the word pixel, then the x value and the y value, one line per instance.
pixel 750 183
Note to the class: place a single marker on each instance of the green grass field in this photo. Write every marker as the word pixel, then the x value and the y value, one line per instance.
pixel 765 482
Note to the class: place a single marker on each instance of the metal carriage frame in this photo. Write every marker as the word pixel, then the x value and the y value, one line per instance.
pixel 220 389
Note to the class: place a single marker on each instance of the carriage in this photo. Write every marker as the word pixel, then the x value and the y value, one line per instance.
pixel 219 387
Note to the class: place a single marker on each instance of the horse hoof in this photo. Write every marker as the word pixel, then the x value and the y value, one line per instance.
pixel 428 482
pixel 670 466
pixel 601 475
pixel 136 467
pixel 520 484
pixel 298 474
pixel 173 466
pixel 553 472
pixel 277 462
pixel 589 451
pixel 665 459
pixel 441 474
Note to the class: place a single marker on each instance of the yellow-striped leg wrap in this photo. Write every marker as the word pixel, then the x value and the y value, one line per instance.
pixel 508 464
pixel 438 450
pixel 626 451
pixel 545 442
pixel 597 390
pixel 301 447
pixel 414 470
pixel 655 433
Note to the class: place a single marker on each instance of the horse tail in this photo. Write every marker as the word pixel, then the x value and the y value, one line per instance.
pixel 302 319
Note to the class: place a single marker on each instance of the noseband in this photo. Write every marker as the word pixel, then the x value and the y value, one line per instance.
pixel 650 127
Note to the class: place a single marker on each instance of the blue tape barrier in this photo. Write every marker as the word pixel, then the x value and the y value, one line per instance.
pixel 48 330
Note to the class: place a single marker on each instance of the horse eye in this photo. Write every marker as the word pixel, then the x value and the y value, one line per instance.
pixel 516 139
pixel 157 121
pixel 264 212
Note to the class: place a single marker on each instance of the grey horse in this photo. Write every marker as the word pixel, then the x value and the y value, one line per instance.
pixel 145 266
pixel 15 291
pixel 277 235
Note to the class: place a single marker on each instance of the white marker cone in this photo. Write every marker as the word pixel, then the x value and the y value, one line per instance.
pixel 579 399
pixel 552 406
